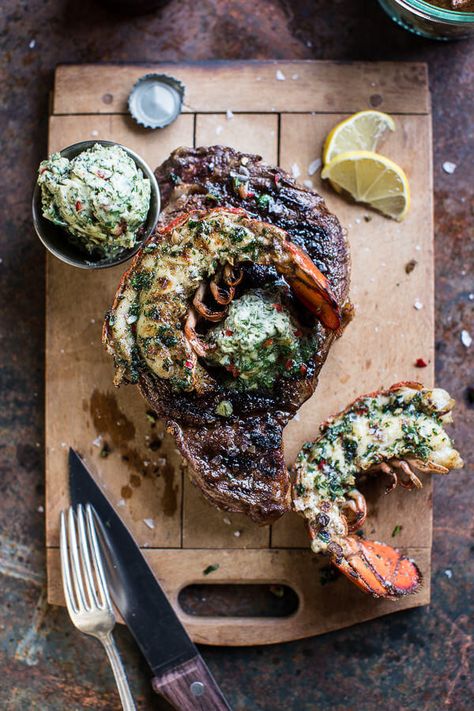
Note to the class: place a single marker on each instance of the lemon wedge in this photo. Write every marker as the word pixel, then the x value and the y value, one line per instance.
pixel 361 131
pixel 372 179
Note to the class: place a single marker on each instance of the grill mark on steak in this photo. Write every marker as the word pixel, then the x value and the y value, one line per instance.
pixel 238 462
pixel 238 466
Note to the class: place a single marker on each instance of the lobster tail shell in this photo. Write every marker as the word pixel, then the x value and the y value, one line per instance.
pixel 377 568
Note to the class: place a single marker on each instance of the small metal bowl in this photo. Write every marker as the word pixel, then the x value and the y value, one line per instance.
pixel 58 241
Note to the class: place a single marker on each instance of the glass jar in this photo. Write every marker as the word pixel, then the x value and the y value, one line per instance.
pixel 428 20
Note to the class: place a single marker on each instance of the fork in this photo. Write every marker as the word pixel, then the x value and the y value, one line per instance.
pixel 85 588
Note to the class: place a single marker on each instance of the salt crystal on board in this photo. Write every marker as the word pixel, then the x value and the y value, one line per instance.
pixel 279 75
pixel 295 170
pixel 314 166
pixel 229 115
pixel 32 44
pixel 417 305
pixel 149 522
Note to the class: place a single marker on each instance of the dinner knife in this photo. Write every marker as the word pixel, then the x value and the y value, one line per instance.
pixel 179 672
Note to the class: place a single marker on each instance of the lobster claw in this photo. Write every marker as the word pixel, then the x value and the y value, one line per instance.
pixel 376 568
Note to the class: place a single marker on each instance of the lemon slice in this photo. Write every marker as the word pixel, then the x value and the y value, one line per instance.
pixel 373 179
pixel 361 131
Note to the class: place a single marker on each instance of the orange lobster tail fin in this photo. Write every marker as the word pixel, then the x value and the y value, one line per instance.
pixel 377 568
pixel 312 288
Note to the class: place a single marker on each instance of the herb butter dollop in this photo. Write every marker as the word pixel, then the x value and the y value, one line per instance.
pixel 100 198
pixel 258 341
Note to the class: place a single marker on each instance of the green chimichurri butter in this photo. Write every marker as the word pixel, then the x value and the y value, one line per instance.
pixel 258 341
pixel 100 197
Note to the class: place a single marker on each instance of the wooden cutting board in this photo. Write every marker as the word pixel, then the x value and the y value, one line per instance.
pixel 282 110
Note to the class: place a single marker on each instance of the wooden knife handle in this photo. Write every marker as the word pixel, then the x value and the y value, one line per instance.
pixel 191 687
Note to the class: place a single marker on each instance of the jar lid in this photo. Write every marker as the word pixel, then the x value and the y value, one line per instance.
pixel 156 100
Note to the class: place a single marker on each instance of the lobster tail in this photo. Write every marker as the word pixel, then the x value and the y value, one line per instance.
pixel 376 568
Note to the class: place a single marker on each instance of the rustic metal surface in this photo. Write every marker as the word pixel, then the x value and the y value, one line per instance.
pixel 413 660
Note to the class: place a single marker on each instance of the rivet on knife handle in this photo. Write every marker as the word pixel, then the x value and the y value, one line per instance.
pixel 191 687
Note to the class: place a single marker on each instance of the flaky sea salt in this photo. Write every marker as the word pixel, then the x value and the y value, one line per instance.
pixel 279 75
pixel 448 573
pixel 97 442
pixel 121 503
pixel 229 115
pixel 314 166
pixel 417 305
pixel 295 170
pixel 149 522
pixel 449 167
pixel 32 44
pixel 466 338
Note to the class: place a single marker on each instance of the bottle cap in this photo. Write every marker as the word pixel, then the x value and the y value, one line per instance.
pixel 155 100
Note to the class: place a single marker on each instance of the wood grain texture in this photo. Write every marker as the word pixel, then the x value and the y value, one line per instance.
pixel 322 607
pixel 399 87
pixel 191 687
pixel 134 459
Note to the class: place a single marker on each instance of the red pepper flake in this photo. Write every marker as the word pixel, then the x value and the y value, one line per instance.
pixel 303 369
pixel 250 195
pixel 78 205
pixel 276 179
pixel 268 343
pixel 278 307
pixel 43 170
pixel 420 363
pixel 228 332
pixel 322 463
pixel 298 333
pixel 235 372
pixel 289 364
pixel 188 364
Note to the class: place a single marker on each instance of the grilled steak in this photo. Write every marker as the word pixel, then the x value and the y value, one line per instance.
pixel 236 455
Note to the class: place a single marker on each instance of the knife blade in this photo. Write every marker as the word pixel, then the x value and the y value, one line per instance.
pixel 180 673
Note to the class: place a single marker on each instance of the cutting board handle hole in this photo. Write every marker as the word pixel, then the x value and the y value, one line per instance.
pixel 238 600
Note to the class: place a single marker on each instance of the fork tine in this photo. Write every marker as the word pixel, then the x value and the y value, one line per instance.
pixel 65 568
pixel 97 558
pixel 85 557
pixel 76 565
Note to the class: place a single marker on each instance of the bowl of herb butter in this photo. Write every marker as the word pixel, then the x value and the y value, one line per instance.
pixel 94 204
